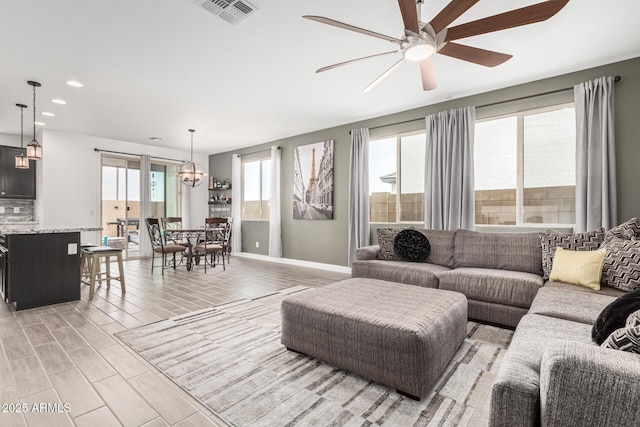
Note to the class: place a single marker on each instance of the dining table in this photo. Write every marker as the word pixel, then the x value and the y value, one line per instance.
pixel 188 236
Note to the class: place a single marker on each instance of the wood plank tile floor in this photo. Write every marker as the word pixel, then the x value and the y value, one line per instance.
pixel 61 366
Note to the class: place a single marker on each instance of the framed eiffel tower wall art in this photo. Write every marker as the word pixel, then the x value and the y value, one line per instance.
pixel 313 181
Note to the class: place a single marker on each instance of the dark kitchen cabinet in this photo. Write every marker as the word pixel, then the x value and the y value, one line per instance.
pixel 41 268
pixel 16 183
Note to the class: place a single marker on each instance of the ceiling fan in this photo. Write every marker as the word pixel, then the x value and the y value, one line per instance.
pixel 422 40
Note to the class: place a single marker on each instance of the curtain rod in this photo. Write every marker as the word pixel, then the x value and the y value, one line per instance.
pixel 258 151
pixel 131 154
pixel 551 92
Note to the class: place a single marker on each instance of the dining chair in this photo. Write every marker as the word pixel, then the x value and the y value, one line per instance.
pixel 213 245
pixel 225 238
pixel 160 246
pixel 173 223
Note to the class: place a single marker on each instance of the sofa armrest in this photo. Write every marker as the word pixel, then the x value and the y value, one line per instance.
pixel 583 384
pixel 367 252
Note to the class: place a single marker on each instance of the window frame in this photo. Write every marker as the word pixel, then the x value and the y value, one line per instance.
pixel 398 137
pixel 520 115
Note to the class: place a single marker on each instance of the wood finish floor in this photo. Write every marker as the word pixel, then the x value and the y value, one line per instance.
pixel 61 366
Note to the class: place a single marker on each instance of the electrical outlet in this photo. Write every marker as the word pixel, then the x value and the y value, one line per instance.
pixel 257 244
pixel 16 209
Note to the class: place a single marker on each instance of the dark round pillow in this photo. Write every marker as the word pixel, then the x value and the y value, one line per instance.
pixel 614 316
pixel 412 245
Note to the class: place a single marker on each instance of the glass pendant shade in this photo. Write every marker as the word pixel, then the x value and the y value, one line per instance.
pixel 34 150
pixel 191 174
pixel 22 162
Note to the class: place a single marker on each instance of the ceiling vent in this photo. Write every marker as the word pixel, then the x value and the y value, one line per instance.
pixel 232 11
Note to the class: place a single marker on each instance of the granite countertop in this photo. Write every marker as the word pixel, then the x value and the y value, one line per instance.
pixel 6 229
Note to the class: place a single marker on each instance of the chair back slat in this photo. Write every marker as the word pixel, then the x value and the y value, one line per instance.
pixel 155 232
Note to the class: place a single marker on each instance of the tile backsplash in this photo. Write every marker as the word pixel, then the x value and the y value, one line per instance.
pixel 26 208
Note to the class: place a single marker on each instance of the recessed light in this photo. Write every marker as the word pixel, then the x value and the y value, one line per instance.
pixel 58 101
pixel 46 113
pixel 40 123
pixel 155 138
pixel 74 83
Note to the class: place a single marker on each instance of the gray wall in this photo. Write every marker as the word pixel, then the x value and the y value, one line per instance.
pixel 326 241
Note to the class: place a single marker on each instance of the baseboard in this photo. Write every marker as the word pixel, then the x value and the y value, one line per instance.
pixel 297 262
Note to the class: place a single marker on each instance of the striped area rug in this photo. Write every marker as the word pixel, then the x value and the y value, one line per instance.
pixel 230 358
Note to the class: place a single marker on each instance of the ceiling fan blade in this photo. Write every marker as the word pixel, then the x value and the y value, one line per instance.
pixel 476 55
pixel 409 13
pixel 428 74
pixel 340 64
pixel 450 13
pixel 351 28
pixel 383 76
pixel 515 18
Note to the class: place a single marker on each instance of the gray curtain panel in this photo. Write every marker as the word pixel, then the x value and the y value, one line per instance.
pixel 145 205
pixel 275 225
pixel 595 155
pixel 449 196
pixel 236 205
pixel 358 191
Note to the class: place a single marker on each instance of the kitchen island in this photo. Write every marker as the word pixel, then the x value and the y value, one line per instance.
pixel 41 266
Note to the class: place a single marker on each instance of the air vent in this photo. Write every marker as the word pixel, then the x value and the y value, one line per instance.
pixel 232 11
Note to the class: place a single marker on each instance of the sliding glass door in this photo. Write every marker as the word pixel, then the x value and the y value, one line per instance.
pixel 120 200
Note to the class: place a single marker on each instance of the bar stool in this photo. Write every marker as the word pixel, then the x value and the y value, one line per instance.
pixel 93 256
pixel 85 262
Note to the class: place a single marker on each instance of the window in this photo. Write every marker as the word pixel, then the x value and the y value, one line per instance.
pixel 525 168
pixel 396 166
pixel 256 189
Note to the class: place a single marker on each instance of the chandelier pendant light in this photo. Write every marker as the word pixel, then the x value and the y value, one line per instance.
pixel 34 149
pixel 191 174
pixel 21 160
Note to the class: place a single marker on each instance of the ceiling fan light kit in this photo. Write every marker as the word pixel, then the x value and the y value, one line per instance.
pixel 423 40
pixel 419 51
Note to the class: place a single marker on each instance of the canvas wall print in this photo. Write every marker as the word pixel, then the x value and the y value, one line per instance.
pixel 313 181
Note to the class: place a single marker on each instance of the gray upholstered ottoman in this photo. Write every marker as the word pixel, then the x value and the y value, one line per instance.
pixel 399 335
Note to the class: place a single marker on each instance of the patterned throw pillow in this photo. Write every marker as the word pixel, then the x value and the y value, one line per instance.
pixel 621 268
pixel 624 339
pixel 588 241
pixel 412 245
pixel 386 239
pixel 614 316
pixel 633 320
pixel 629 230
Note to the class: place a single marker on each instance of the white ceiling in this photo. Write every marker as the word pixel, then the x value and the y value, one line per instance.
pixel 160 67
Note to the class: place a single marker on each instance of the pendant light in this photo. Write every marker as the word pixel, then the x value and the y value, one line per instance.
pixel 34 149
pixel 21 160
pixel 191 174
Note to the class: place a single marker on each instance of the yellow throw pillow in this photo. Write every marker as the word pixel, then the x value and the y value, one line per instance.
pixel 582 268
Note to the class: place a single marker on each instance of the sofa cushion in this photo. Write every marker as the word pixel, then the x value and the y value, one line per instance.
pixel 514 288
pixel 414 273
pixel 567 304
pixel 621 268
pixel 581 268
pixel 568 286
pixel 441 242
pixel 550 240
pixel 412 246
pixel 627 230
pixel 614 316
pixel 515 394
pixel 386 238
pixel 503 251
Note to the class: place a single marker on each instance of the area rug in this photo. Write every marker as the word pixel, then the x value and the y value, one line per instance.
pixel 230 359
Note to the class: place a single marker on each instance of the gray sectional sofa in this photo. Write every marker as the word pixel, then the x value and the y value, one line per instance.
pixel 552 374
